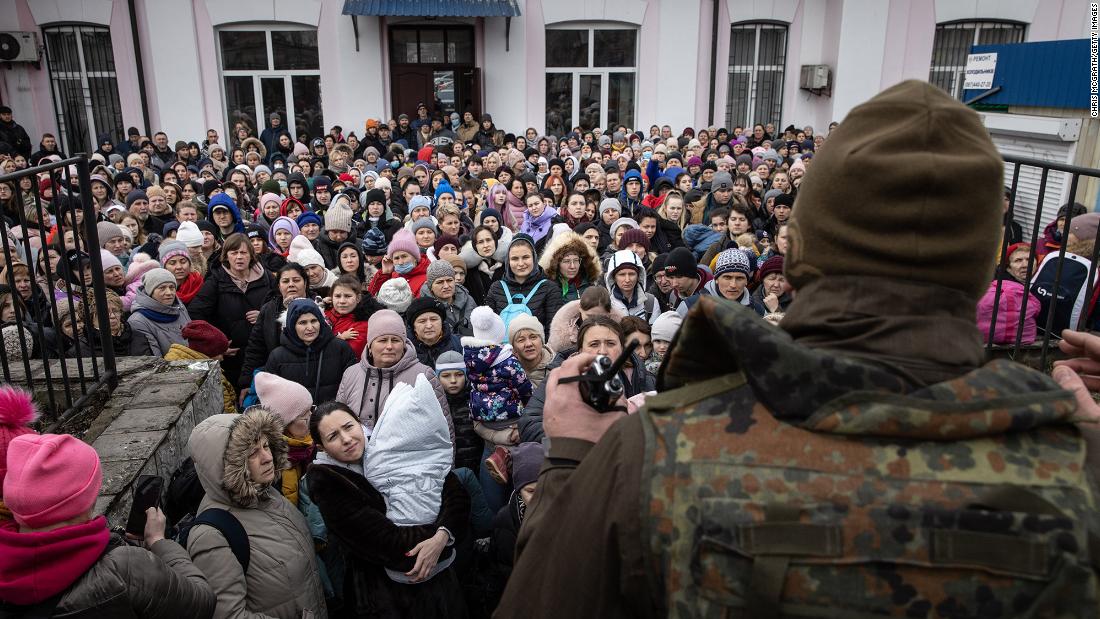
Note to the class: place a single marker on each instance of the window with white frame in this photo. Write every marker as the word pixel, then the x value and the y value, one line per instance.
pixel 272 69
pixel 754 85
pixel 591 77
pixel 85 87
pixel 952 45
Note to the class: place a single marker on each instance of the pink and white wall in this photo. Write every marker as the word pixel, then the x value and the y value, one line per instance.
pixel 869 45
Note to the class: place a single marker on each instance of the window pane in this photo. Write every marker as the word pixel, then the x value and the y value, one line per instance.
pixel 460 46
pixel 590 101
pixel 294 49
pixel 240 103
pixel 243 50
pixel 98 55
pixel 737 106
pixel 74 116
pixel 403 44
pixel 443 88
pixel 559 103
pixel 769 97
pixel 620 99
pixel 951 45
pixel 431 46
pixel 273 92
pixel 307 105
pixel 1000 34
pixel 106 109
pixel 567 48
pixel 614 48
pixel 61 50
pixel 742 46
pixel 772 46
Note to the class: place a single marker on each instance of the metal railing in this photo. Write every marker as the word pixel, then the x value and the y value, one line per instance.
pixel 57 294
pixel 1045 330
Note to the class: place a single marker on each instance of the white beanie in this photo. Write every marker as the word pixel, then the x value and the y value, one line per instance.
pixel 666 326
pixel 189 234
pixel 309 257
pixel 396 294
pixel 487 325
pixel 524 321
pixel 297 245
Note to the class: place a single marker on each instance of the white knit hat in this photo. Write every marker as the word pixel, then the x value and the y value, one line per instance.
pixel 666 326
pixel 297 245
pixel 189 234
pixel 396 294
pixel 524 321
pixel 309 257
pixel 487 325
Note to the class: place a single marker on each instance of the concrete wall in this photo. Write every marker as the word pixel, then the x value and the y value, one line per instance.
pixel 869 44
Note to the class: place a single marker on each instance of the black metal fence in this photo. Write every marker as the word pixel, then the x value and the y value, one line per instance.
pixel 65 349
pixel 1051 294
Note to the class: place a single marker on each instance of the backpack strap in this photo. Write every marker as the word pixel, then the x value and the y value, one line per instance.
pixel 230 528
pixel 533 291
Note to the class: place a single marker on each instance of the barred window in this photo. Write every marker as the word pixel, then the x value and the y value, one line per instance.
pixel 953 42
pixel 754 86
pixel 85 87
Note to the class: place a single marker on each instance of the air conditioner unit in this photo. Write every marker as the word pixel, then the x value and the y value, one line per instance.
pixel 815 77
pixel 18 47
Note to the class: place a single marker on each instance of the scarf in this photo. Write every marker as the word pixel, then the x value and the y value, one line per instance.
pixel 923 333
pixel 573 223
pixel 301 449
pixel 254 273
pixel 190 287
pixel 37 566
pixel 538 227
pixel 156 316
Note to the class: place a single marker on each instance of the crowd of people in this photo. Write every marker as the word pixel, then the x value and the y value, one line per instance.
pixel 386 310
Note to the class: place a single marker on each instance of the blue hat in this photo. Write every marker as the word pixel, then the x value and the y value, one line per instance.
pixel 374 242
pixel 444 187
pixel 309 217
pixel 632 175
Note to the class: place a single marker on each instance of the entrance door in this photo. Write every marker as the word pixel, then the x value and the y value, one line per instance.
pixel 434 66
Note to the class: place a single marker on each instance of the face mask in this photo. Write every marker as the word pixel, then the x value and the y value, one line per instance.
pixel 404 269
pixel 647 155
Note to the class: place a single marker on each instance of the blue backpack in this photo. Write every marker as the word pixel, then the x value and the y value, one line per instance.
pixel 517 305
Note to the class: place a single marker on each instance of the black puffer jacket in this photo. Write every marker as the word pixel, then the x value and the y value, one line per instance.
pixel 264 338
pixel 546 301
pixel 221 303
pixel 318 366
pixel 468 444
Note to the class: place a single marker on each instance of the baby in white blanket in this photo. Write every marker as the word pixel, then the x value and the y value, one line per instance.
pixel 408 457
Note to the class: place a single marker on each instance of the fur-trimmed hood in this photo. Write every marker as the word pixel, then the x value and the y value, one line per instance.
pixel 570 242
pixel 220 446
pixel 472 259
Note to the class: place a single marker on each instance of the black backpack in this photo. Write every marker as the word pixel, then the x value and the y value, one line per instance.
pixel 182 500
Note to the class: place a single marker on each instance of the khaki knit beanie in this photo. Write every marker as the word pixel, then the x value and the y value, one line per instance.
pixel 909 187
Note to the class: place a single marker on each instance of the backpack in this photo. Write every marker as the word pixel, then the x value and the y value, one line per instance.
pixel 230 528
pixel 515 308
pixel 184 492
pixel 1071 291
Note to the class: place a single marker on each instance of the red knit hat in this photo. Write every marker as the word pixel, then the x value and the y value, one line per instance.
pixel 16 411
pixel 633 235
pixel 771 265
pixel 204 338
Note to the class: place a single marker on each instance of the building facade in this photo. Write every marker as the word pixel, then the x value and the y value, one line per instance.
pixel 183 66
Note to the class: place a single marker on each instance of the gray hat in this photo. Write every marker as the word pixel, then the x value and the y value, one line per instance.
pixel 722 180
pixel 610 204
pixel 423 222
pixel 437 269
pixel 154 278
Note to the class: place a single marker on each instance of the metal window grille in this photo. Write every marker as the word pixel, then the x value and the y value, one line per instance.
pixel 84 85
pixel 758 60
pixel 953 42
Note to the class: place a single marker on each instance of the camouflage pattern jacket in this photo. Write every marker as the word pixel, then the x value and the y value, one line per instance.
pixel 811 484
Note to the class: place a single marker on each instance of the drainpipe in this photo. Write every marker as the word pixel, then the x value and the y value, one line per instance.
pixel 713 59
pixel 140 67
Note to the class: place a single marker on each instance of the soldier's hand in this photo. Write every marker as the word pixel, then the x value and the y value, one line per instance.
pixel 565 414
pixel 1080 374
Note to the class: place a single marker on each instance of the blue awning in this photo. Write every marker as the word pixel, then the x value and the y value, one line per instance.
pixel 433 8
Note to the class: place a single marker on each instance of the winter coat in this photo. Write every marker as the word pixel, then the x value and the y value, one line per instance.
pixel 416 277
pixel 544 304
pixel 1008 312
pixel 357 320
pixel 698 238
pixel 784 299
pixel 563 329
pixel 318 366
pixel 551 258
pixel 499 388
pixel 538 375
pixel 329 250
pixel 156 326
pixel 354 515
pixel 458 310
pixel 282 578
pixel 479 275
pixel 468 445
pixel 139 266
pixel 365 387
pixel 221 303
pixel 98 576
pixel 179 352
pixel 264 337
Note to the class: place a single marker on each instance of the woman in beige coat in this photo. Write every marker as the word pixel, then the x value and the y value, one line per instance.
pixel 239 459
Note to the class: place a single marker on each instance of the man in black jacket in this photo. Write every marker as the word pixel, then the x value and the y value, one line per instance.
pixel 13 133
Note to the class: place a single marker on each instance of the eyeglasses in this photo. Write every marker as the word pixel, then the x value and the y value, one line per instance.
pixel 571 262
